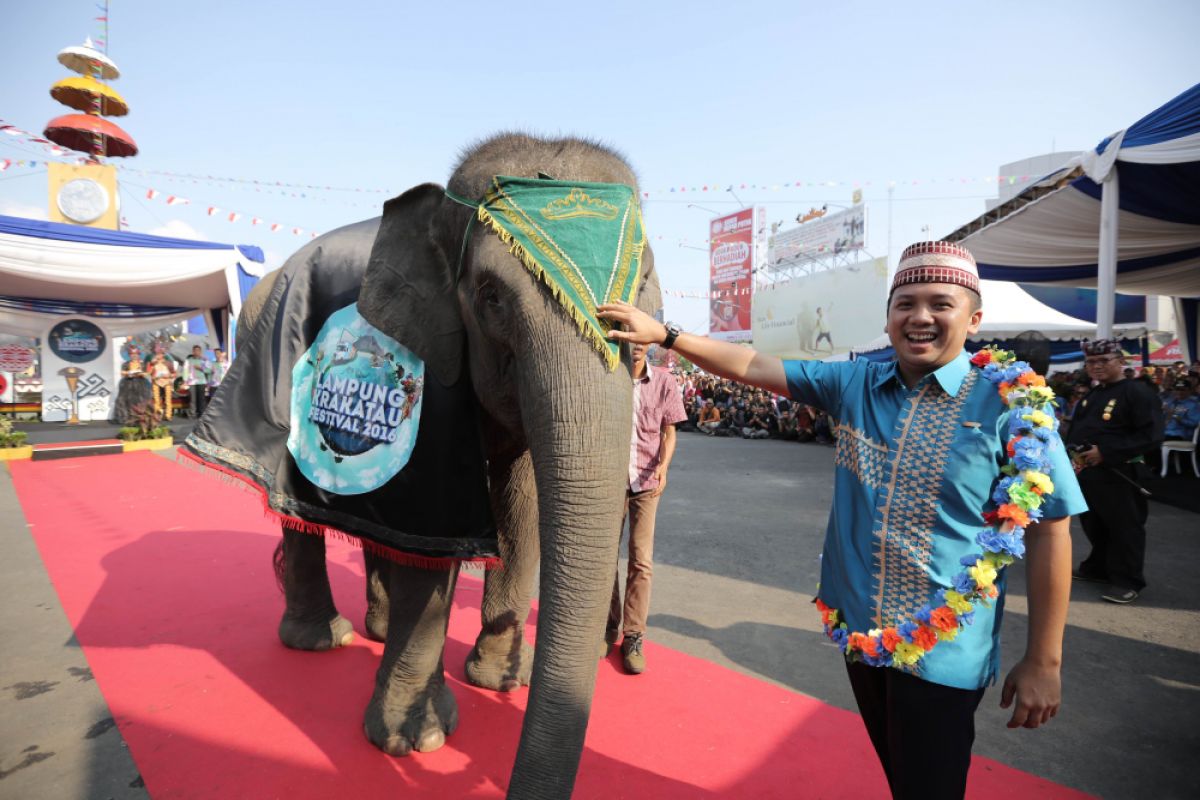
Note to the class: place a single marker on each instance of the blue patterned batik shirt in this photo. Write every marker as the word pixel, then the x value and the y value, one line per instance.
pixel 915 470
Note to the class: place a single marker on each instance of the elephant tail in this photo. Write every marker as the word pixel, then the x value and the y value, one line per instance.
pixel 279 561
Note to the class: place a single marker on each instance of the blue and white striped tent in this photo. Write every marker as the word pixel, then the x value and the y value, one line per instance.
pixel 1123 217
pixel 131 282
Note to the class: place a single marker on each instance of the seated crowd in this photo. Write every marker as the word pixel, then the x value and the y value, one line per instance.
pixel 720 407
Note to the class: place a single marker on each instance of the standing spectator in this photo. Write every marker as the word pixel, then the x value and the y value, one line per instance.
pixel 196 374
pixel 1113 428
pixel 920 460
pixel 657 408
pixel 220 365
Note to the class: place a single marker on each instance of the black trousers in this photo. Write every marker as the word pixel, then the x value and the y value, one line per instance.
pixel 921 731
pixel 1115 524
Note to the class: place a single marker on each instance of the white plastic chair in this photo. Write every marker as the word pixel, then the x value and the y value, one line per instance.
pixel 1170 449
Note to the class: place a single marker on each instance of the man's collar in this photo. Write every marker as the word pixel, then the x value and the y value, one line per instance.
pixel 949 376
pixel 645 374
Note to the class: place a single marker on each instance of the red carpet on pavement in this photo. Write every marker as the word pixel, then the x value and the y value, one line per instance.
pixel 165 575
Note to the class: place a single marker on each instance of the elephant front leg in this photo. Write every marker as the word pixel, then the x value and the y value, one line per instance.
pixel 378 577
pixel 412 707
pixel 501 658
pixel 310 620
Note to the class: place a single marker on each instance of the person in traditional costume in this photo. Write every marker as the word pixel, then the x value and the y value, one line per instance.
pixel 161 372
pixel 912 576
pixel 134 388
pixel 1115 425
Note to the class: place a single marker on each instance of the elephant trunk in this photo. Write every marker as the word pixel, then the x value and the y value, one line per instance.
pixel 578 428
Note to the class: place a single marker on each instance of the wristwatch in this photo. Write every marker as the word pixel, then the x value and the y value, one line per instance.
pixel 673 332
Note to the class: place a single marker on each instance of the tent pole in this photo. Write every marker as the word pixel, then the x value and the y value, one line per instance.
pixel 1106 273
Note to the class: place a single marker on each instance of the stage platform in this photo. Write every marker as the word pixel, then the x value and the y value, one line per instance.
pixel 62 433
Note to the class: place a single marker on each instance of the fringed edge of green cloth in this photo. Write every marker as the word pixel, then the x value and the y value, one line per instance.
pixel 595 335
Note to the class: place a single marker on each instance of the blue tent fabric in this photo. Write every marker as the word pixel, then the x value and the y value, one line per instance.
pixel 77 233
pixel 1159 191
pixel 1173 120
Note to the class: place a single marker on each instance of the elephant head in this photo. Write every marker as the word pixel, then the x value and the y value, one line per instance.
pixel 464 303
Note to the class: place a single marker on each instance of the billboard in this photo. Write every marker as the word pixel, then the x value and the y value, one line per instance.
pixel 823 314
pixel 731 275
pixel 829 235
pixel 77 372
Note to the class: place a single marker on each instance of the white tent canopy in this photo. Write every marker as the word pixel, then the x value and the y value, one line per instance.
pixel 1008 311
pixel 132 281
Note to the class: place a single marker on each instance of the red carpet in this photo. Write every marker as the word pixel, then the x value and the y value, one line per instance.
pixel 165 575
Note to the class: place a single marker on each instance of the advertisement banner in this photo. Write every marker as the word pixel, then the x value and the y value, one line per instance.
pixel 77 372
pixel 829 235
pixel 823 314
pixel 731 275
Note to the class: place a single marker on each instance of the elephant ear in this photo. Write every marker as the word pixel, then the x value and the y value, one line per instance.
pixel 408 292
pixel 649 296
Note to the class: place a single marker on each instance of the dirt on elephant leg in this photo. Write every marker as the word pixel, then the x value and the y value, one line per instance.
pixel 501 660
pixel 405 721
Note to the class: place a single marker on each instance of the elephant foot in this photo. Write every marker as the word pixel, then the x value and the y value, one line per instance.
pixel 300 634
pixel 376 625
pixel 406 721
pixel 502 663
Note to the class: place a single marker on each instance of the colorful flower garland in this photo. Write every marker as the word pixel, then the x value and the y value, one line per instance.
pixel 1019 496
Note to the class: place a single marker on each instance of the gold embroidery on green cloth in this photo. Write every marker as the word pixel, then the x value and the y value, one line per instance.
pixel 583 240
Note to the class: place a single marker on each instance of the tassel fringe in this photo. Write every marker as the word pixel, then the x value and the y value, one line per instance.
pixel 230 478
pixel 586 327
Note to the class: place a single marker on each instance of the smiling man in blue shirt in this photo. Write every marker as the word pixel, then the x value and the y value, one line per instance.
pixel 920 446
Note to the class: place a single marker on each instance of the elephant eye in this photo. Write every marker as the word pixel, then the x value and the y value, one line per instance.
pixel 488 294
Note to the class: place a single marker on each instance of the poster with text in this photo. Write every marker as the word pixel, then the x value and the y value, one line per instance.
pixel 823 314
pixel 77 372
pixel 731 276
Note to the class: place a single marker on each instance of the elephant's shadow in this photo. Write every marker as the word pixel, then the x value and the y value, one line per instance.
pixel 213 592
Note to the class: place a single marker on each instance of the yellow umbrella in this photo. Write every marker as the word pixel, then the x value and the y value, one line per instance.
pixel 80 94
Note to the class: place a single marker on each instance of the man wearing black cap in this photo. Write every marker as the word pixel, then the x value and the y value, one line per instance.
pixel 1118 422
pixel 1181 410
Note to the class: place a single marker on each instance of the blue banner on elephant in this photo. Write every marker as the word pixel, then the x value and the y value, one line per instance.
pixel 339 425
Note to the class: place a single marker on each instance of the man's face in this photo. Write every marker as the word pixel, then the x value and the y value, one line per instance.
pixel 1105 369
pixel 928 324
pixel 196 351
pixel 638 353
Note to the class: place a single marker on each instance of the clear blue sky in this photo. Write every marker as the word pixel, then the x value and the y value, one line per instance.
pixel 382 95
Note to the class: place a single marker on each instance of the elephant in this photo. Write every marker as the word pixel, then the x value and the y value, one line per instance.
pixel 556 424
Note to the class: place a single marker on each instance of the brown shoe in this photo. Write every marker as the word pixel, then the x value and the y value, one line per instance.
pixel 631 654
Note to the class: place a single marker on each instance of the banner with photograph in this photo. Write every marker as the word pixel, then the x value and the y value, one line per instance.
pixel 731 275
pixel 829 235
pixel 823 314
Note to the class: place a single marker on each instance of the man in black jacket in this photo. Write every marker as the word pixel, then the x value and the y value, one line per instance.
pixel 1112 429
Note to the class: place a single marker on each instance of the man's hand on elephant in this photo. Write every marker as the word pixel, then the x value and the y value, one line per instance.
pixel 639 327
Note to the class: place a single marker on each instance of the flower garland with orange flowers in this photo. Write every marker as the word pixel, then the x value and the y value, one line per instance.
pixel 1019 496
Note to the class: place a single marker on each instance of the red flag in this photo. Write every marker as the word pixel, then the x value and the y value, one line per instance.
pixel 151 194
pixel 275 226
pixel 255 221
pixel 212 210
pixel 177 201
pixel 297 231
pixel 234 216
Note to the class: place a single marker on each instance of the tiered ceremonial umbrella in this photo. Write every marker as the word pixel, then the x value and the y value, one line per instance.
pixel 89 132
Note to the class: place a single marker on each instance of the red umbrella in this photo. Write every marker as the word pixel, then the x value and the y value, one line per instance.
pixel 78 132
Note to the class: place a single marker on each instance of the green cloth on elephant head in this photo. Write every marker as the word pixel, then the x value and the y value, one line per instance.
pixel 583 240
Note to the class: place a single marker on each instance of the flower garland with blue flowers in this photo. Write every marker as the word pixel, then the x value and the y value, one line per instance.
pixel 1019 496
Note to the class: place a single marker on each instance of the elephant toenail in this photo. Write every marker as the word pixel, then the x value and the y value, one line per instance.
pixel 431 741
pixel 397 745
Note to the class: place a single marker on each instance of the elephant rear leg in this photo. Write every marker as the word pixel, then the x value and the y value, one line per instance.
pixel 310 619
pixel 378 576
pixel 412 708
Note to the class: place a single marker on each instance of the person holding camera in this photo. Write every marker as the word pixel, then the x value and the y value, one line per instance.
pixel 1111 431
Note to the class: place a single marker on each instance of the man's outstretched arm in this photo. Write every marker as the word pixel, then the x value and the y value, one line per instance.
pixel 741 364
